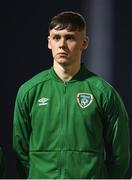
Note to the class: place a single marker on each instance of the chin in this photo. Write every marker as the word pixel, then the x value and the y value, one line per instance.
pixel 63 62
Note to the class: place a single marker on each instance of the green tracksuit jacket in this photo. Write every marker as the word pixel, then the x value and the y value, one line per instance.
pixel 77 129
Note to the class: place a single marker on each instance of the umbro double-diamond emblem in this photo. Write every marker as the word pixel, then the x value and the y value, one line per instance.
pixel 43 101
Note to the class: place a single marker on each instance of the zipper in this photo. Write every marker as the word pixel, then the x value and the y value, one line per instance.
pixel 62 133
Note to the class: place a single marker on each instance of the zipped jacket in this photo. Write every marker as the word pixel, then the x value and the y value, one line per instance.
pixel 75 129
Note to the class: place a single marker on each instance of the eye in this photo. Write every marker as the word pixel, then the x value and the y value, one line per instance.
pixel 56 37
pixel 70 37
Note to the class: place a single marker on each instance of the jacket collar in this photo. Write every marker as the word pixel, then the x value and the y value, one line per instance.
pixel 82 74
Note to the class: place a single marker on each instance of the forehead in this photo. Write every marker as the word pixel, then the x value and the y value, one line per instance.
pixel 64 32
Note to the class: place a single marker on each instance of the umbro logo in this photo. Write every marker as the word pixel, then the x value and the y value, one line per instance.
pixel 43 101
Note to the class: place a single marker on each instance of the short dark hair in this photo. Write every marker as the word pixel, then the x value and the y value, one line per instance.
pixel 72 21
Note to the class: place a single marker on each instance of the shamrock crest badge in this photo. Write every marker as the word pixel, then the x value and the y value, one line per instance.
pixel 84 99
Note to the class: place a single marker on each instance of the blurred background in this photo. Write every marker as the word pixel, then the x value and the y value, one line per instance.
pixel 24 52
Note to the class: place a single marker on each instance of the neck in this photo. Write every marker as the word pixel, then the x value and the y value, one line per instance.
pixel 66 72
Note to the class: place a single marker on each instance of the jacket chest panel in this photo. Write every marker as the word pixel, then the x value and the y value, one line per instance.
pixel 67 111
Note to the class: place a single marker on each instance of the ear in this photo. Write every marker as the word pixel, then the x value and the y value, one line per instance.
pixel 85 42
pixel 49 45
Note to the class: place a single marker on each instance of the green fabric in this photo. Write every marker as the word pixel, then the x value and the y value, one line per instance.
pixel 60 129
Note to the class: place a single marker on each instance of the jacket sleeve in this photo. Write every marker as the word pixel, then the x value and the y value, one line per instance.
pixel 116 135
pixel 21 135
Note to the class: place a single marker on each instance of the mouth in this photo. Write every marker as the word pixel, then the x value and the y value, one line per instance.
pixel 62 54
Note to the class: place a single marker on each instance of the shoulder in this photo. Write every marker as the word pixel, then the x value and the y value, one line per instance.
pixel 32 83
pixel 105 94
pixel 97 83
pixel 102 90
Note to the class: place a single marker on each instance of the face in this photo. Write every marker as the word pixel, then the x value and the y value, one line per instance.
pixel 67 46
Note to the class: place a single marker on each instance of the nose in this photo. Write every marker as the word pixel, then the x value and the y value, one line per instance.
pixel 62 44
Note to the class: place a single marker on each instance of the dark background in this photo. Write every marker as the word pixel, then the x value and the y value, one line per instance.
pixel 24 53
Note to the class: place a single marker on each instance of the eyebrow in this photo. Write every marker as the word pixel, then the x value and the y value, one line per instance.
pixel 58 34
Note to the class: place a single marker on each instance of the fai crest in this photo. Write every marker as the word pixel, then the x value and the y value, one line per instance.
pixel 84 99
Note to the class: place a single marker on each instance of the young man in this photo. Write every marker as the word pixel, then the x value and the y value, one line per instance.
pixel 69 122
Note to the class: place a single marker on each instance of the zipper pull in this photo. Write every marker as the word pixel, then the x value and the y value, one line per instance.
pixel 65 84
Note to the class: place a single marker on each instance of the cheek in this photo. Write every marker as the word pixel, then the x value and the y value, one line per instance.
pixel 52 47
pixel 54 51
pixel 77 46
pixel 76 49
